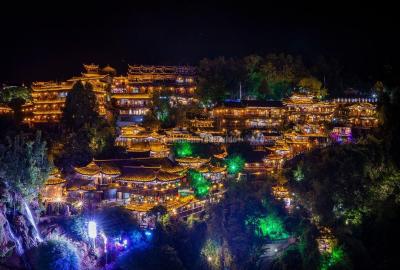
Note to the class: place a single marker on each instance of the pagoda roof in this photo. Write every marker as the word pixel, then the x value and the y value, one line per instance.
pixel 148 146
pixel 131 96
pixel 192 160
pixel 170 205
pixel 51 86
pixel 78 184
pixel 51 181
pixel 362 105
pixel 147 174
pixel 211 169
pixel 253 103
pixel 94 168
pixel 130 168
pixel 109 69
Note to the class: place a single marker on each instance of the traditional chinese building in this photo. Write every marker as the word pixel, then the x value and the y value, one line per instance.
pixel 49 97
pixel 134 134
pixel 141 184
pixel 150 148
pixel 235 116
pixel 192 162
pixel 53 188
pixel 5 110
pixel 362 115
pixel 303 108
pixel 49 101
pixel 100 81
pixel 132 94
pixel 341 135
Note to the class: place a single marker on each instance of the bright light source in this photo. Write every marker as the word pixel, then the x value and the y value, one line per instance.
pixel 147 233
pixel 209 258
pixel 92 229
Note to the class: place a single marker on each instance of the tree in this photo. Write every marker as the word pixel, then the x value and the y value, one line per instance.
pixel 15 97
pixel 182 149
pixel 151 121
pixel 388 111
pixel 199 183
pixel 56 254
pixel 235 164
pixel 88 134
pixel 273 76
pixel 25 165
pixel 10 93
pixel 158 211
pixel 219 79
pixel 314 86
pixel 80 107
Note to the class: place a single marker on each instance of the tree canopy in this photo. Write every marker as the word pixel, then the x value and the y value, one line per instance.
pixel 80 107
pixel 25 165
pixel 57 254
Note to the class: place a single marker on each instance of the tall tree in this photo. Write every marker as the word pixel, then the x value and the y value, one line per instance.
pixel 80 107
pixel 25 165
pixel 314 86
pixel 219 79
pixel 15 97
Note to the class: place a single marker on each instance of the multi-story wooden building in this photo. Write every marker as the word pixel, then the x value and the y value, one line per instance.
pixel 236 116
pixel 141 184
pixel 49 97
pixel 303 108
pixel 4 109
pixel 132 94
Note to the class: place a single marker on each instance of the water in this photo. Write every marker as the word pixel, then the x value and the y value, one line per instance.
pixel 20 249
pixel 32 221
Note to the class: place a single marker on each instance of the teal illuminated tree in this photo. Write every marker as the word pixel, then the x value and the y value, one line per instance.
pixel 199 183
pixel 235 164
pixel 334 258
pixel 183 149
pixel 298 174
pixel 270 226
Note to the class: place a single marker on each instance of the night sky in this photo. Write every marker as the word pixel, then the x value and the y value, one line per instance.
pixel 50 42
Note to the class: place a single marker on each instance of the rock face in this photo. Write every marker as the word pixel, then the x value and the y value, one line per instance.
pixel 22 231
pixel 6 244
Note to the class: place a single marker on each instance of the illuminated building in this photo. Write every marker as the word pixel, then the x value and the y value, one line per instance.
pixel 150 148
pixel 133 134
pixel 5 110
pixel 201 124
pixel 235 116
pixel 341 135
pixel 302 108
pixel 49 100
pixel 27 112
pixel 178 134
pixel 49 97
pixel 362 115
pixel 326 241
pixel 132 94
pixel 99 81
pixel 139 183
pixel 192 162
pixel 143 183
pixel 357 112
pixel 53 188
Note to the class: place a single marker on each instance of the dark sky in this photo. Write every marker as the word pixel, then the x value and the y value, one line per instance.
pixel 50 42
